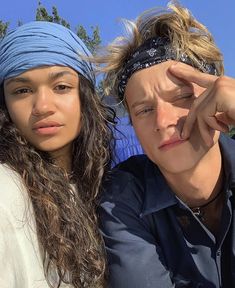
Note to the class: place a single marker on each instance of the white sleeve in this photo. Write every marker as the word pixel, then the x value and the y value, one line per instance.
pixel 21 264
pixel 12 274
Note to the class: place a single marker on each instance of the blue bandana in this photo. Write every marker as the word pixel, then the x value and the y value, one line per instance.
pixel 40 43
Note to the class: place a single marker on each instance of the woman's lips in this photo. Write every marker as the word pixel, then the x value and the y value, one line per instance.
pixel 50 130
pixel 46 128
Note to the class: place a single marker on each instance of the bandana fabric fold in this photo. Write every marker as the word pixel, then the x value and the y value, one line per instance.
pixel 41 43
pixel 152 52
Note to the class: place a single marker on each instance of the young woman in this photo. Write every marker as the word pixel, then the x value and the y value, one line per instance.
pixel 168 218
pixel 54 149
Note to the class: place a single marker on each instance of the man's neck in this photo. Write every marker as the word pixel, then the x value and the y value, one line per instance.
pixel 200 184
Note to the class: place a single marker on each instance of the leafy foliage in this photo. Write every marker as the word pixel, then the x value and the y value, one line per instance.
pixel 232 131
pixel 3 28
pixel 91 41
pixel 43 15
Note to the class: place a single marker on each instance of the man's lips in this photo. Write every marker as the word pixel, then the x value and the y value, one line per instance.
pixel 170 143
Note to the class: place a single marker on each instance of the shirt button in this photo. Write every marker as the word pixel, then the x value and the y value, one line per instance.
pixel 218 253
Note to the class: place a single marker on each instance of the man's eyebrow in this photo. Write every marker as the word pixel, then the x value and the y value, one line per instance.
pixel 137 103
pixel 181 86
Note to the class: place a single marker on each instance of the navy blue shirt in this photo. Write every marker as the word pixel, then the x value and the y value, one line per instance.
pixel 154 240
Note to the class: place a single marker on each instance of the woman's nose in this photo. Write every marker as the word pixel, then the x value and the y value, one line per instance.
pixel 43 102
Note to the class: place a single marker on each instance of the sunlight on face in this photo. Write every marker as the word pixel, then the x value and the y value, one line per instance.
pixel 159 104
pixel 44 104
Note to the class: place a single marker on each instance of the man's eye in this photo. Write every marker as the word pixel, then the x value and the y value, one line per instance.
pixel 185 97
pixel 144 111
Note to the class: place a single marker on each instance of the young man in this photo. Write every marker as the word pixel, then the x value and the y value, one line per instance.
pixel 168 217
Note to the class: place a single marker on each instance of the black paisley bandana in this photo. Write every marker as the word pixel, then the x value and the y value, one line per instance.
pixel 152 52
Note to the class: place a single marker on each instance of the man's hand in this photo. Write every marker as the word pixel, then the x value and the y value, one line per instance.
pixel 214 109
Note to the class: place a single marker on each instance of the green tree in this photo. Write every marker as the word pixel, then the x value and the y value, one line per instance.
pixel 91 41
pixel 232 131
pixel 43 15
pixel 3 28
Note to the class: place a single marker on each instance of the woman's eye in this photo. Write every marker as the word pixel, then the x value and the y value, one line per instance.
pixel 22 91
pixel 62 87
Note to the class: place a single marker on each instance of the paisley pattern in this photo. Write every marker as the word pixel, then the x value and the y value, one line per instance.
pixel 152 52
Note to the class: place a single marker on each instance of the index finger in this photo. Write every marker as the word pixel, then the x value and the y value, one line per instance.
pixel 190 74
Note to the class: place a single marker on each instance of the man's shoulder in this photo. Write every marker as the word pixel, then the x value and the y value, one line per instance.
pixel 132 168
pixel 132 163
pixel 127 179
pixel 227 147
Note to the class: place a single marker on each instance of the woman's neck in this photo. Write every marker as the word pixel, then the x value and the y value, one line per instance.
pixel 63 158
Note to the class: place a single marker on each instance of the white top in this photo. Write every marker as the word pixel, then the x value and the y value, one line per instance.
pixel 20 259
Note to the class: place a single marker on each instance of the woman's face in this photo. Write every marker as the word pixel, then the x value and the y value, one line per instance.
pixel 159 104
pixel 44 104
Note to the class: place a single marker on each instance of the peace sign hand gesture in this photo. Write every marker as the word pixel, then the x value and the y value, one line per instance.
pixel 214 109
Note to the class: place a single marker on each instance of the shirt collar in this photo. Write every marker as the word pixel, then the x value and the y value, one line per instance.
pixel 158 195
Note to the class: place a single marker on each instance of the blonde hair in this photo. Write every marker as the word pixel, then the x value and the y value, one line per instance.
pixel 185 33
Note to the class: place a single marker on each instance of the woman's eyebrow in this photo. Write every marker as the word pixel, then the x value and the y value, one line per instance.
pixel 55 75
pixel 17 79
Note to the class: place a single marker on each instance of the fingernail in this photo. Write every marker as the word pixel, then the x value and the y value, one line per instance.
pixel 174 64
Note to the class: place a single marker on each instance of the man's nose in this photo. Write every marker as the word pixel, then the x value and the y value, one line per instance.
pixel 165 116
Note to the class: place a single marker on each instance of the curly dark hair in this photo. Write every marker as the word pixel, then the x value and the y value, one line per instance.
pixel 66 219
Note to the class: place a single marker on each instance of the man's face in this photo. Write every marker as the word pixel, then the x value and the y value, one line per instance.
pixel 159 104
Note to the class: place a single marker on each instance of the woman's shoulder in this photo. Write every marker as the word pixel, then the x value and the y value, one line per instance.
pixel 10 181
pixel 18 240
pixel 8 176
pixel 13 197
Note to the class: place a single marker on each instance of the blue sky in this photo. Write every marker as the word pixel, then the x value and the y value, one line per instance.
pixel 217 15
